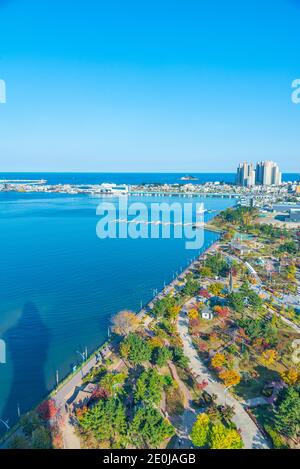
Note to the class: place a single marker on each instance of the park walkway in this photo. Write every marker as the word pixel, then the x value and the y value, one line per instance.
pixel 252 436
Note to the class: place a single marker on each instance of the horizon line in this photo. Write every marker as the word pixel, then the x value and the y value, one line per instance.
pixel 132 172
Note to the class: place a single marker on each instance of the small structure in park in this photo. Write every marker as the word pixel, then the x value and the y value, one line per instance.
pixel 207 313
pixel 81 396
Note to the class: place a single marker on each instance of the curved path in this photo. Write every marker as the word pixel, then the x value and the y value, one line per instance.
pixel 252 436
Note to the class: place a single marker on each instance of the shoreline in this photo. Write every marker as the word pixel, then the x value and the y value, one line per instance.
pixel 85 367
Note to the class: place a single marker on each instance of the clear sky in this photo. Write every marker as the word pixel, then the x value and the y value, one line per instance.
pixel 148 85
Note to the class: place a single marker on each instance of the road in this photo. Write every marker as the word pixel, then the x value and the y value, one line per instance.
pixel 252 436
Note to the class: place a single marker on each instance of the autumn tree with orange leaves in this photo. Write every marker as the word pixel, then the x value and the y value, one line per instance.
pixel 125 322
pixel 230 377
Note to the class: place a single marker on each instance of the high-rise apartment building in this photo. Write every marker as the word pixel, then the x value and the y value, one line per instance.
pixel 267 174
pixel 245 175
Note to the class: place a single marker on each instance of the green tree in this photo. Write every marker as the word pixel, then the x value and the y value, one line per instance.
pixel 106 420
pixel 236 302
pixel 179 358
pixel 138 349
pixel 254 300
pixel 191 287
pixel 217 264
pixel 30 422
pixel 149 387
pixel 289 247
pixel 206 272
pixel 41 438
pixel 161 355
pixel 19 442
pixel 164 306
pixel 287 415
pixel 113 382
pixel 148 428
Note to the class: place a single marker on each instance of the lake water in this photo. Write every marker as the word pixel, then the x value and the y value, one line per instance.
pixel 60 284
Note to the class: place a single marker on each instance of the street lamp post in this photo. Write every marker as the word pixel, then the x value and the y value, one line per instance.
pixel 82 355
pixel 83 360
pixel 225 392
pixel 5 423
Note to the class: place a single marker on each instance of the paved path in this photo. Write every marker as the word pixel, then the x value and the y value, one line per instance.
pixel 251 435
pixel 70 439
pixel 187 419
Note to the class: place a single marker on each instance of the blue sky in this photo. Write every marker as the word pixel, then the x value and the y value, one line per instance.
pixel 160 85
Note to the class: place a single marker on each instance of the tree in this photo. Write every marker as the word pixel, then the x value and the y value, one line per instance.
pixel 30 422
pixel 236 302
pixel 287 416
pixel 173 312
pixel 291 272
pixel 206 272
pixel 218 360
pixel 148 428
pixel 191 287
pixel 47 410
pixel 290 377
pixel 193 313
pixel 200 430
pixel 161 355
pixel 179 358
pixel 289 247
pixel 222 437
pixel 230 377
pixel 19 442
pixel 149 387
pixel 254 300
pixel 112 383
pixel 268 357
pixel 41 438
pixel 216 288
pixel 138 350
pixel 162 307
pixel 125 349
pixel 106 420
pixel 124 322
pixel 222 312
pixel 227 412
pixel 217 264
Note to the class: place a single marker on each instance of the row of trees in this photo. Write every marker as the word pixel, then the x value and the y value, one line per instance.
pixel 139 350
pixel 109 421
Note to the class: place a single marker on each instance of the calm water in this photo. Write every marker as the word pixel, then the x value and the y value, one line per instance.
pixel 60 285
pixel 130 178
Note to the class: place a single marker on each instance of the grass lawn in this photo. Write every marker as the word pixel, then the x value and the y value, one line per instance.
pixel 253 387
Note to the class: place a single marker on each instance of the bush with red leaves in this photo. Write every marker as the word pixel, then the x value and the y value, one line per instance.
pixel 99 393
pixel 47 410
pixel 204 293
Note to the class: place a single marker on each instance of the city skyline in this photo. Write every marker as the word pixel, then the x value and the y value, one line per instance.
pixel 172 87
pixel 265 173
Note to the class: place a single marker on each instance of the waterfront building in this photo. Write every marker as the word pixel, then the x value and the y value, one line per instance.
pixel 110 188
pixel 267 173
pixel 245 175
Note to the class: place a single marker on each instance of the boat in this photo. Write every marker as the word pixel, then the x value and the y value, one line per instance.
pixel 188 178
